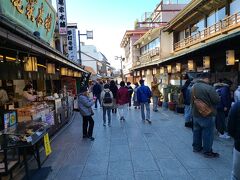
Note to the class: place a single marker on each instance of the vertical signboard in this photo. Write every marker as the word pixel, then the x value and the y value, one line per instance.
pixel 62 16
pixel 72 43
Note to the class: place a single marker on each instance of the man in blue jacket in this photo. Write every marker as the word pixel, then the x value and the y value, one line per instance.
pixel 143 96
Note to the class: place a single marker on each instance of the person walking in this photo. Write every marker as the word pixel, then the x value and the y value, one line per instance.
pixel 122 100
pixel 107 104
pixel 203 126
pixel 143 96
pixel 85 108
pixel 223 107
pixel 155 93
pixel 135 101
pixel 234 131
pixel 113 88
pixel 96 90
pixel 130 92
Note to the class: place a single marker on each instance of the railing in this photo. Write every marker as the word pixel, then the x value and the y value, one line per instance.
pixel 149 56
pixel 220 27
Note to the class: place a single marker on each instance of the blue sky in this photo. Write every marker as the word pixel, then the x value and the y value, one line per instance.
pixel 109 19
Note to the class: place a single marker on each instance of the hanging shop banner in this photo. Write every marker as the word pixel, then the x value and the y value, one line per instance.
pixel 72 44
pixel 47 145
pixel 62 16
pixel 37 16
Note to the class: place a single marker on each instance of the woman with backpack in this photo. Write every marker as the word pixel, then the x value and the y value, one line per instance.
pixel 107 104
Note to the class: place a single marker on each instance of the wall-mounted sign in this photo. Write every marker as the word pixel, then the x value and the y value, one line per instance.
pixel 62 16
pixel 34 15
pixel 72 43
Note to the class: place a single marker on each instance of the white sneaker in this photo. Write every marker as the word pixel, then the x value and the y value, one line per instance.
pixel 224 136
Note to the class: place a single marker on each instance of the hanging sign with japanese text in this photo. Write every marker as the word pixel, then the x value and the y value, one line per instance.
pixel 72 44
pixel 34 15
pixel 62 16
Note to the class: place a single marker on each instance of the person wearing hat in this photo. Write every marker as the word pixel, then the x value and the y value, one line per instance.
pixel 85 108
pixel 203 127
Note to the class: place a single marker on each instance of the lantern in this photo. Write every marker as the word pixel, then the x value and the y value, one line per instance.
pixel 230 57
pixel 190 65
pixel 162 70
pixel 154 70
pixel 178 67
pixel 206 62
pixel 135 73
pixel 30 64
pixel 143 72
pixel 138 73
pixel 50 68
pixel 64 71
pixel 70 72
pixel 148 72
pixel 169 68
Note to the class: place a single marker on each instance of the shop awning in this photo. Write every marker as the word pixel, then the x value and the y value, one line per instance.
pixel 25 39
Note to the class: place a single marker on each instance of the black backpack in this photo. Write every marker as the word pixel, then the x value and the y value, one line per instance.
pixel 107 98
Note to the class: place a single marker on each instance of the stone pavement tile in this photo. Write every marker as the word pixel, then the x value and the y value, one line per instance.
pixel 95 157
pixel 138 145
pixel 92 169
pixel 143 161
pixel 120 152
pixel 120 168
pixel 121 177
pixel 119 141
pixel 204 174
pixel 148 175
pixel 172 169
pixel 101 177
pixel 69 172
pixel 162 152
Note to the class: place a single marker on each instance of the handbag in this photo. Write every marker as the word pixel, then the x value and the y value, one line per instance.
pixel 201 106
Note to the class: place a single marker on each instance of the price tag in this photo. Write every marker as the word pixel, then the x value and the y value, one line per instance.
pixel 47 145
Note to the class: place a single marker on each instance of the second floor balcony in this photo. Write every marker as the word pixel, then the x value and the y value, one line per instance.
pixel 222 27
pixel 149 56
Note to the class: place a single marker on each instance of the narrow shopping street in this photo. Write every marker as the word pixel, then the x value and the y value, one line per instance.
pixel 135 150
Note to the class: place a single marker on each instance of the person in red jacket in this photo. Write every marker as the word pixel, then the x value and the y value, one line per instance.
pixel 122 100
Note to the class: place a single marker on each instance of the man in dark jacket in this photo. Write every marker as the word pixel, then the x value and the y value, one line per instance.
pixel 96 90
pixel 203 127
pixel 143 95
pixel 234 131
pixel 130 92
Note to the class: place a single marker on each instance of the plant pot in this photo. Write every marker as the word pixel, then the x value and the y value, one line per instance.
pixel 171 106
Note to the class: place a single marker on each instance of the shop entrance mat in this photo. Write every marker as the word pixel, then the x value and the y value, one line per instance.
pixel 39 174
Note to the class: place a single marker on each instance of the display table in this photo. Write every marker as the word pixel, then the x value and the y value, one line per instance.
pixel 22 137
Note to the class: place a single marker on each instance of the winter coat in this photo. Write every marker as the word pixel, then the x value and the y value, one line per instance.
pixel 207 94
pixel 155 90
pixel 130 91
pixel 96 90
pixel 106 105
pixel 144 94
pixel 224 92
pixel 85 105
pixel 122 96
pixel 114 90
pixel 234 124
pixel 237 95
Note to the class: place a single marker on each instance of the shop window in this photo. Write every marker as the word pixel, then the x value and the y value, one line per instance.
pixel 181 36
pixel 234 6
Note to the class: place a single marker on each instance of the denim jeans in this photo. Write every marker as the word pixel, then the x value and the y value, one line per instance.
pixel 147 106
pixel 155 102
pixel 236 165
pixel 108 112
pixel 97 100
pixel 187 113
pixel 221 122
pixel 203 133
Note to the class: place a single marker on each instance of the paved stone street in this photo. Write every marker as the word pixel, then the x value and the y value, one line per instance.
pixel 135 150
